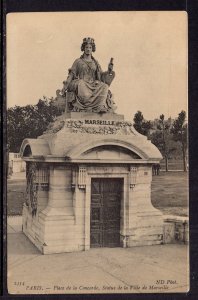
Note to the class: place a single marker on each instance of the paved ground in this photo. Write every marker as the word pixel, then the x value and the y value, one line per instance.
pixel 150 269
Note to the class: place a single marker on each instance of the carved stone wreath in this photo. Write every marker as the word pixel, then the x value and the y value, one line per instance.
pixel 32 188
pixel 120 127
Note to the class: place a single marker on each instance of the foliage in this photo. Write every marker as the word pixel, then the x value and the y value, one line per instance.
pixel 162 138
pixel 179 128
pixel 165 134
pixel 141 125
pixel 29 121
pixel 179 131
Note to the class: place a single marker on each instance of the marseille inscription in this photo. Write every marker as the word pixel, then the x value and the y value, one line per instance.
pixel 100 122
pixel 93 126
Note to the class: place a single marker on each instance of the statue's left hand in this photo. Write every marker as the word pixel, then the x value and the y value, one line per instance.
pixel 110 67
pixel 65 86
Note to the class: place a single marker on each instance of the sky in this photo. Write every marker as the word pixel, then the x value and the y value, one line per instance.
pixel 149 51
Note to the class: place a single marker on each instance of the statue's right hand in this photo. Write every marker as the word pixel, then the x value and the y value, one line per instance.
pixel 64 91
pixel 65 85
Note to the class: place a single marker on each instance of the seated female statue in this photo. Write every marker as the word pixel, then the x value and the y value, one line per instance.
pixel 88 82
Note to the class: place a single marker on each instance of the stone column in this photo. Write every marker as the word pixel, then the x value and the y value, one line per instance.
pixel 57 219
pixel 60 192
pixel 87 213
pixel 124 212
pixel 145 221
pixel 82 208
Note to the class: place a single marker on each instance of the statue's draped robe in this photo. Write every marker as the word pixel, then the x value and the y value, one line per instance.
pixel 91 92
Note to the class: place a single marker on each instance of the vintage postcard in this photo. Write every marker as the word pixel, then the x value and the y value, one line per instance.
pixel 97 144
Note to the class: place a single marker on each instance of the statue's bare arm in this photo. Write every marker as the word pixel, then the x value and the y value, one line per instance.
pixel 66 83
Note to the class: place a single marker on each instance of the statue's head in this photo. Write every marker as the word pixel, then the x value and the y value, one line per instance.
pixel 87 41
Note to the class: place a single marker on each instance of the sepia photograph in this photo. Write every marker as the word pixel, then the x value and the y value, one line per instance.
pixel 97 151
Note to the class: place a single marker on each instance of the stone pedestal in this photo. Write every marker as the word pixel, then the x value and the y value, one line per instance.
pixel 77 148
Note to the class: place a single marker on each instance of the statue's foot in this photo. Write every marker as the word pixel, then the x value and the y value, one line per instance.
pixel 103 110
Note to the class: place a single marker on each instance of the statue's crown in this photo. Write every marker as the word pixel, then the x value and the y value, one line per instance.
pixel 88 40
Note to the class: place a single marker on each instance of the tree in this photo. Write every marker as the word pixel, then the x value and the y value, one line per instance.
pixel 162 138
pixel 29 121
pixel 179 131
pixel 141 125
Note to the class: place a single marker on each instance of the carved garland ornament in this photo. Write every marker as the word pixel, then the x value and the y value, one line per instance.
pixel 120 127
pixel 32 188
pixel 133 176
pixel 37 178
pixel 82 177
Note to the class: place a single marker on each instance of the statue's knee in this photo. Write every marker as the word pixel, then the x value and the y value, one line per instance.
pixel 81 82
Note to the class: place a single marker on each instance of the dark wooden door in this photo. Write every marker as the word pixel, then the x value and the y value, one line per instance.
pixel 105 212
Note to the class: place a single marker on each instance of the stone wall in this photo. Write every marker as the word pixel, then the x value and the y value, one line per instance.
pixel 176 230
pixel 76 149
pixel 62 221
pixel 145 222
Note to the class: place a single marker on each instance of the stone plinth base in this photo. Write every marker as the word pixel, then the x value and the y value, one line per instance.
pixel 146 229
pixel 87 115
pixel 51 234
pixel 64 164
pixel 176 230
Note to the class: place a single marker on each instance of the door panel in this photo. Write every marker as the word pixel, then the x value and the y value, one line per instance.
pixel 105 212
